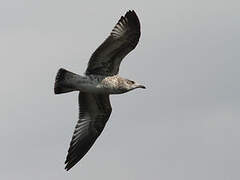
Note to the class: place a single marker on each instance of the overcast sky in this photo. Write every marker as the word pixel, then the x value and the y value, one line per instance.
pixel 184 126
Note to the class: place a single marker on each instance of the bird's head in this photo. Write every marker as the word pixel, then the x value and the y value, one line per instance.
pixel 130 85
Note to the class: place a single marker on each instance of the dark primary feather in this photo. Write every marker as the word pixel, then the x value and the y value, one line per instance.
pixel 94 113
pixel 123 39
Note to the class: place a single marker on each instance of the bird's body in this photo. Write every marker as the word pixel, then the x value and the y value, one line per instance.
pixel 101 79
pixel 97 84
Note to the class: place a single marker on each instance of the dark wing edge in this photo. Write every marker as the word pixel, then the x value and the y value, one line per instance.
pixel 123 39
pixel 94 112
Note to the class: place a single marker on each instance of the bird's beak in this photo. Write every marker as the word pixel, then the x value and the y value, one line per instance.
pixel 141 86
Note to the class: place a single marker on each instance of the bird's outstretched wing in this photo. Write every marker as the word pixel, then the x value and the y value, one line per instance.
pixel 123 39
pixel 94 113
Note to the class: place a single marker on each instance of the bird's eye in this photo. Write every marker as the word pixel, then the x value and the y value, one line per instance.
pixel 130 82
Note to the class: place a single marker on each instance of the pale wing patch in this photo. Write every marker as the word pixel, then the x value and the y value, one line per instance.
pixel 120 28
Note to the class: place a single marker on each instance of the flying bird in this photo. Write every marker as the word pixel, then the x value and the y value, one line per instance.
pixel 100 80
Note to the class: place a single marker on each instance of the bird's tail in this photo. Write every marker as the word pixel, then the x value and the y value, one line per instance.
pixel 65 81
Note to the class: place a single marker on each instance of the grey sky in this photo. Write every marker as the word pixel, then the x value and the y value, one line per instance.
pixel 184 126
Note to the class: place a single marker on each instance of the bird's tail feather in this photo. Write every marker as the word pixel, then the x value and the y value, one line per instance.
pixel 64 81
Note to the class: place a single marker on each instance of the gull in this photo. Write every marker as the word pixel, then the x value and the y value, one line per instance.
pixel 99 82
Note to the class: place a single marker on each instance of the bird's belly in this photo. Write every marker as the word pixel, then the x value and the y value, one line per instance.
pixel 99 89
pixel 90 87
pixel 99 85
